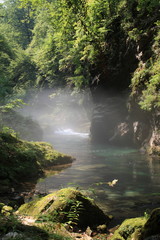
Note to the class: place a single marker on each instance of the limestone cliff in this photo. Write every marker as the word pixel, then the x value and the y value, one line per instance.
pixel 126 83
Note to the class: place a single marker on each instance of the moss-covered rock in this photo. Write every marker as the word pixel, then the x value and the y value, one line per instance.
pixel 129 228
pixel 23 160
pixel 7 210
pixel 67 205
pixel 152 226
pixel 12 227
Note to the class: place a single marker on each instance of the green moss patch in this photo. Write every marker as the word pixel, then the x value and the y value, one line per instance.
pixel 11 227
pixel 152 226
pixel 129 228
pixel 139 228
pixel 23 160
pixel 67 205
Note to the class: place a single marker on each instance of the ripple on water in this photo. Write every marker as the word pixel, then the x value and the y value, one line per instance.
pixel 131 194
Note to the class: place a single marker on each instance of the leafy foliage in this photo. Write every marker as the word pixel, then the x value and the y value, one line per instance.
pixel 76 44
pixel 12 104
pixel 16 23
pixel 150 98
pixel 69 39
pixel 146 79
pixel 6 57
pixel 16 68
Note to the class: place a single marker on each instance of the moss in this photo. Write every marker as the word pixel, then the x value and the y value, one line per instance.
pixel 6 210
pixel 67 205
pixel 23 160
pixel 146 78
pixel 151 227
pixel 45 231
pixel 50 155
pixel 8 138
pixel 128 228
pixel 36 207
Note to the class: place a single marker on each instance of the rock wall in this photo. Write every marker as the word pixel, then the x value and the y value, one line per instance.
pixel 108 113
pixel 120 77
pixel 113 123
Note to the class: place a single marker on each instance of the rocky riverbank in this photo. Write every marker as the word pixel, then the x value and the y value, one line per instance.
pixel 68 214
pixel 23 162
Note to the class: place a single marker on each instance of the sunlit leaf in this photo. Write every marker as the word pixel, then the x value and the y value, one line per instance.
pixel 112 183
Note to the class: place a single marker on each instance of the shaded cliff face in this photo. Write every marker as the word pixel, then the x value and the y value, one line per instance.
pixel 109 111
pixel 121 114
pixel 119 120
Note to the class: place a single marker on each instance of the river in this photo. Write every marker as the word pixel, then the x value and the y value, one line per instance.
pixel 137 176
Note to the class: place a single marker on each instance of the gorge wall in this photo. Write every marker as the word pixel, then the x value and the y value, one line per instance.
pixel 117 89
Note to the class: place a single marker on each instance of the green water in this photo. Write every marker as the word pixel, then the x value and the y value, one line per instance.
pixel 138 175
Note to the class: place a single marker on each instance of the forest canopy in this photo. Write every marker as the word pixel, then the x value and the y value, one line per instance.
pixel 47 44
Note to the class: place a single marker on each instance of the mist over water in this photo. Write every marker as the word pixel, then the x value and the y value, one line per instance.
pixel 69 132
pixel 65 120
pixel 61 111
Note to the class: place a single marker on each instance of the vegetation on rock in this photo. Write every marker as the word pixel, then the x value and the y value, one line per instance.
pixel 79 45
pixel 139 228
pixel 21 160
pixel 146 78
pixel 129 229
pixel 68 206
pixel 100 44
pixel 13 228
pixel 151 227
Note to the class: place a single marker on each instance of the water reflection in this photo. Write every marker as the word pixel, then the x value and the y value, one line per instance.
pixel 137 174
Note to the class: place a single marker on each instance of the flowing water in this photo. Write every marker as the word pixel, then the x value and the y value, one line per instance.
pixel 138 175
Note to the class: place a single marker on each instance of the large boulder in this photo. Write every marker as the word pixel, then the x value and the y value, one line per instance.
pixel 22 160
pixel 129 229
pixel 67 205
pixel 139 228
pixel 152 226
